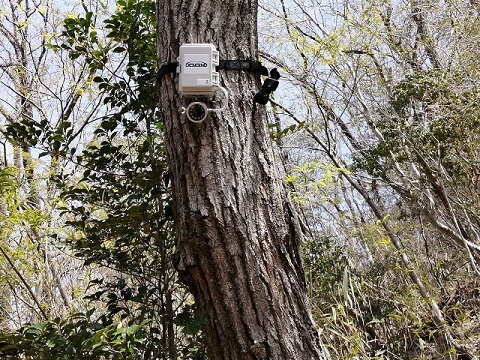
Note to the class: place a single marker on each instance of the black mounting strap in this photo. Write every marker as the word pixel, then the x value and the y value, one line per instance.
pixel 261 97
pixel 251 65
pixel 167 69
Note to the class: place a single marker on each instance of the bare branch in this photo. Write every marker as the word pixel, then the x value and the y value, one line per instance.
pixel 24 281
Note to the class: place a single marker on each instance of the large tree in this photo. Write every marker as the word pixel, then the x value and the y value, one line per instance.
pixel 238 236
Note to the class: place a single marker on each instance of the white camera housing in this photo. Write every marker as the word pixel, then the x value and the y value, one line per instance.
pixel 197 70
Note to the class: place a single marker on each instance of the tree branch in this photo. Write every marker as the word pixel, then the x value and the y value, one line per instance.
pixel 22 279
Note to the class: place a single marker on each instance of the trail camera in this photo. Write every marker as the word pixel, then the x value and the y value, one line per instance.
pixel 197 70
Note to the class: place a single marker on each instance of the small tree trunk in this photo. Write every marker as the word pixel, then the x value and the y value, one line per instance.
pixel 237 235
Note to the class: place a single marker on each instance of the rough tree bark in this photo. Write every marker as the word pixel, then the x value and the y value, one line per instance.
pixel 237 235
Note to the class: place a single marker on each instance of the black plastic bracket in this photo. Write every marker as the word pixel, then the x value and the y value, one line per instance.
pixel 269 85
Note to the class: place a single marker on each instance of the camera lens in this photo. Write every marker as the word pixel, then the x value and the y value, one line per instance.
pixel 197 112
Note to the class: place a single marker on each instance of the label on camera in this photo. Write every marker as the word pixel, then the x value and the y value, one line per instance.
pixel 197 64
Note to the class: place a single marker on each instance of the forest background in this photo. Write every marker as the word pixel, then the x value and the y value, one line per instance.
pixel 376 124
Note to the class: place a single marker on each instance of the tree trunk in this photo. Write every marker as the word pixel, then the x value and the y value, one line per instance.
pixel 237 235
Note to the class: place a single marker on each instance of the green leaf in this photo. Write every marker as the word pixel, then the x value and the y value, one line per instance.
pixel 193 327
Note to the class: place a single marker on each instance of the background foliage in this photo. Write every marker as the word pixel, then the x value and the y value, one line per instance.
pixel 376 119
